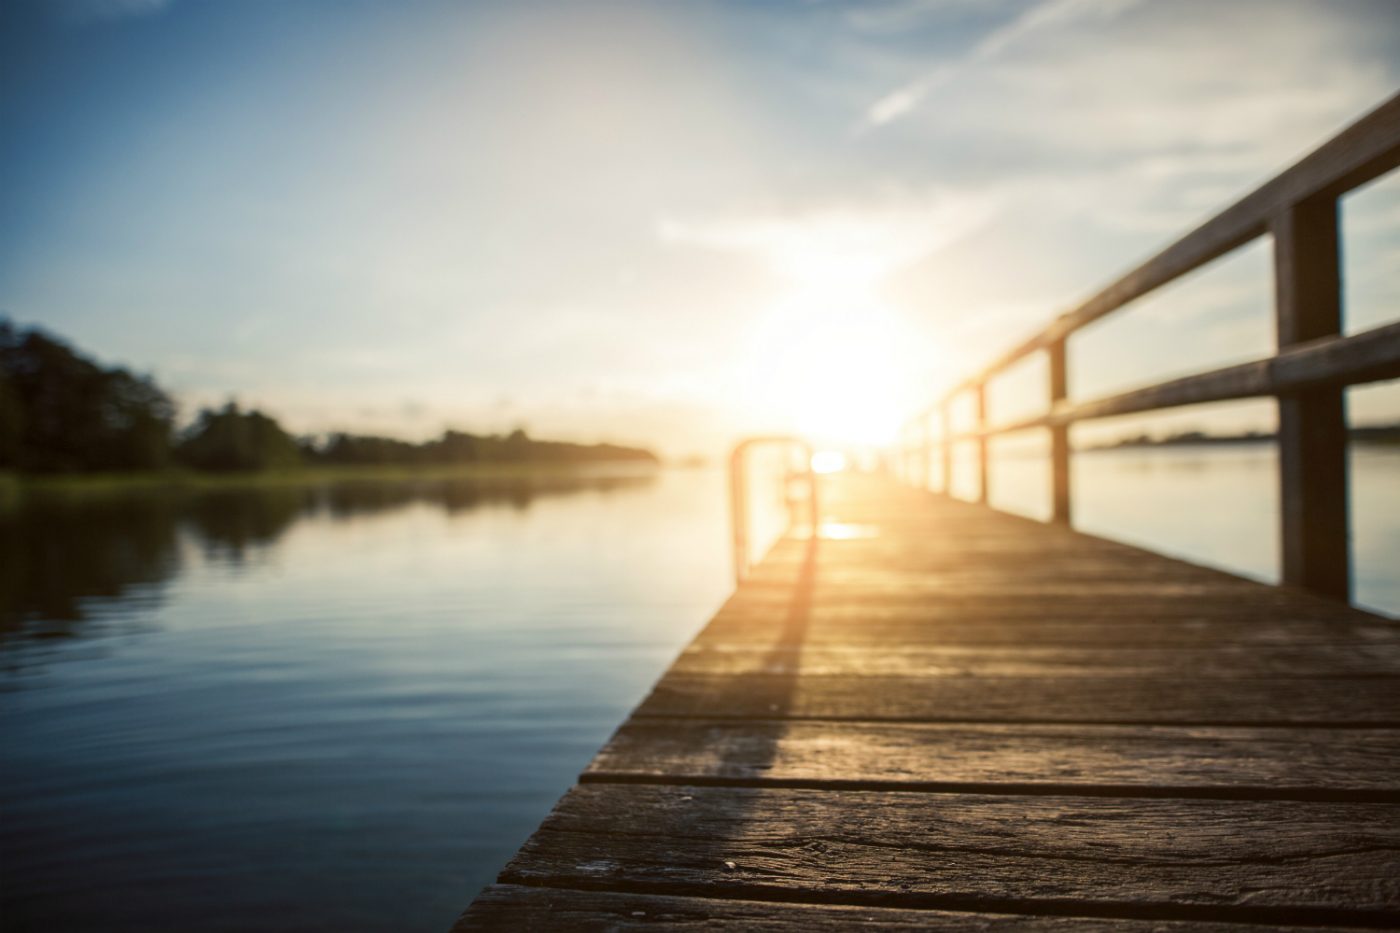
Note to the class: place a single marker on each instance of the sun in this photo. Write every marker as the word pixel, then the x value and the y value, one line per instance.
pixel 833 361
pixel 832 358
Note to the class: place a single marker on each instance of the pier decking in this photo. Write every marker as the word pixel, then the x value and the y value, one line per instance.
pixel 935 714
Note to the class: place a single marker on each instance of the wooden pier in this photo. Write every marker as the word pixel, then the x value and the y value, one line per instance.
pixel 932 714
pixel 936 714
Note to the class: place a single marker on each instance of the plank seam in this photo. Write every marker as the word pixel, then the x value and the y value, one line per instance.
pixel 969 903
pixel 710 715
pixel 1013 789
pixel 512 888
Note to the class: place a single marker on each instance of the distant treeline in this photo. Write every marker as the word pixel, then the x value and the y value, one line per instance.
pixel 1378 433
pixel 460 447
pixel 61 412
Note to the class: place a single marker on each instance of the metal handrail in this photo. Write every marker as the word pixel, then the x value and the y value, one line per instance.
pixel 1307 375
pixel 739 493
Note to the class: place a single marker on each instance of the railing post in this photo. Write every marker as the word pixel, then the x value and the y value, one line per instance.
pixel 946 419
pixel 1312 430
pixel 738 512
pixel 1059 437
pixel 983 493
pixel 739 494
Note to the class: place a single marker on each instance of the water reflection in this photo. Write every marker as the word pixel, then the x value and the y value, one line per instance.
pixel 65 555
pixel 334 706
pixel 1216 505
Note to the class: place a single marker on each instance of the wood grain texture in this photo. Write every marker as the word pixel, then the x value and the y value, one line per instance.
pixel 915 627
pixel 517 907
pixel 709 656
pixel 1222 701
pixel 934 715
pixel 1328 862
pixel 1126 760
pixel 944 716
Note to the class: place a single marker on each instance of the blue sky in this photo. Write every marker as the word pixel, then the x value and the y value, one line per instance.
pixel 665 223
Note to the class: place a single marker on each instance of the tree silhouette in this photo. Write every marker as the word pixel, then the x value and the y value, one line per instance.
pixel 229 439
pixel 61 412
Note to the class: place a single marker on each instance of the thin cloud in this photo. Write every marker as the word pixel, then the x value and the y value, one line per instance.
pixel 870 240
pixel 1051 14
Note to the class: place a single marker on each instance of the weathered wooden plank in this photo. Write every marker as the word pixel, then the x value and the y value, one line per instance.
pixel 881 555
pixel 1317 700
pixel 979 561
pixel 1243 860
pixel 996 576
pixel 519 907
pixel 1128 760
pixel 881 552
pixel 941 710
pixel 873 545
pixel 858 529
pixel 920 584
pixel 712 656
pixel 990 603
pixel 852 627
pixel 1049 583
pixel 983 593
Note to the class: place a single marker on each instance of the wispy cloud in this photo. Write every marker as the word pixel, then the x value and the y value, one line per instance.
pixel 479 213
pixel 1048 15
pixel 869 239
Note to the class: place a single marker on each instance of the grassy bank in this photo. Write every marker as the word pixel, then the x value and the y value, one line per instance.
pixel 10 486
pixel 13 486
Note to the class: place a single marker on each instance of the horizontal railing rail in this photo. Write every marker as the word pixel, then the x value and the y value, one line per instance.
pixel 1307 375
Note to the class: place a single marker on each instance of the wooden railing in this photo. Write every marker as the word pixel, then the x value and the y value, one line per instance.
pixel 1308 375
pixel 739 516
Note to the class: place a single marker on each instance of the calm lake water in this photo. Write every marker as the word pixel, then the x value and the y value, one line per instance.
pixel 345 707
pixel 305 709
pixel 1216 505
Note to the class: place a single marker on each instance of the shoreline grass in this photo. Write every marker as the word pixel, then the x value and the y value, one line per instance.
pixel 14 486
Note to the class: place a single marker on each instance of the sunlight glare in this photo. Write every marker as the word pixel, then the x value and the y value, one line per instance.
pixel 845 531
pixel 834 360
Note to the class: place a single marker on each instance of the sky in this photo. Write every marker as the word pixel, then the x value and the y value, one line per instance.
pixel 661 223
